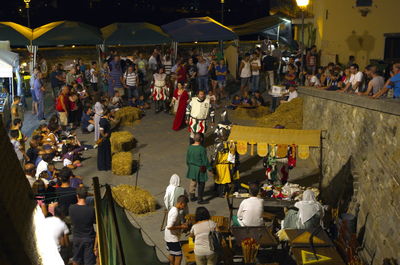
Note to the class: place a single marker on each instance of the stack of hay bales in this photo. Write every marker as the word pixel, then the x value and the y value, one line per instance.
pixel 127 115
pixel 138 201
pixel 122 163
pixel 251 113
pixel 122 141
pixel 288 114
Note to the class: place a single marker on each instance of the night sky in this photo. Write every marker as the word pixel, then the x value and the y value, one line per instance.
pixel 103 12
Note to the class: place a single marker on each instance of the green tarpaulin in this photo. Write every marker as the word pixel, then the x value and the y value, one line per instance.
pixel 257 26
pixel 66 33
pixel 134 250
pixel 134 34
pixel 18 35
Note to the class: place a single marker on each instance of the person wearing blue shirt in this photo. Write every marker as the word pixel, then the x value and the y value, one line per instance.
pixel 392 83
pixel 39 92
pixel 87 123
pixel 221 79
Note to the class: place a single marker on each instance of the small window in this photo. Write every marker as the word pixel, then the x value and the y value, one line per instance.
pixel 392 48
pixel 363 3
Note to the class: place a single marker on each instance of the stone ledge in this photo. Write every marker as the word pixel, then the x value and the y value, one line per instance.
pixel 390 106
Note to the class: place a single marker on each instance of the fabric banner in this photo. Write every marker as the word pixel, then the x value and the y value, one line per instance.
pixel 242 147
pixel 303 151
pixel 134 249
pixel 262 149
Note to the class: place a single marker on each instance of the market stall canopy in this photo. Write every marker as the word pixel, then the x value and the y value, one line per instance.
pixel 17 34
pixel 267 27
pixel 134 34
pixel 66 33
pixel 198 29
pixel 8 62
pixel 266 137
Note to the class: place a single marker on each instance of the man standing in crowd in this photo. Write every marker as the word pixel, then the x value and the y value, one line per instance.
pixel 94 76
pixel 197 112
pixel 251 209
pixel 255 72
pixel 198 164
pixel 356 79
pixel 311 59
pixel 202 74
pixel 221 72
pixel 40 94
pixel 270 66
pixel 16 109
pixel 71 76
pixel 130 81
pixel 56 79
pixel 245 73
pixel 58 231
pixel 392 83
pixel 84 243
pixel 191 76
pixel 33 94
pixel 173 231
pixel 66 193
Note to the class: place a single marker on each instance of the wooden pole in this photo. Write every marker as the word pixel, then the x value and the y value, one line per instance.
pixel 137 171
pixel 99 223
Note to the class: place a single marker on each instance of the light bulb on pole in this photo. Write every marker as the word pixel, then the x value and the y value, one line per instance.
pixel 302 4
pixel 27 2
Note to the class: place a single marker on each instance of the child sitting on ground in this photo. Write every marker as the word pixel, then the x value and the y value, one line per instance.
pixel 142 104
pixel 291 94
pixel 245 101
pixel 116 101
pixel 133 102
pixel 235 103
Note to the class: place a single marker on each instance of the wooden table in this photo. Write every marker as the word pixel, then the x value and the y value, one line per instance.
pixel 301 238
pixel 188 253
pixel 327 256
pixel 261 234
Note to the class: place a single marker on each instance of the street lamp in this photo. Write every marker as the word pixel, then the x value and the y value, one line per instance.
pixel 222 11
pixel 27 11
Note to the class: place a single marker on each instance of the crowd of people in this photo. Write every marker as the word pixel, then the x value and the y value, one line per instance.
pixel 87 96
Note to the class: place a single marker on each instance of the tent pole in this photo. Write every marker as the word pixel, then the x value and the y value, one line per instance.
pixel 277 35
pixel 99 221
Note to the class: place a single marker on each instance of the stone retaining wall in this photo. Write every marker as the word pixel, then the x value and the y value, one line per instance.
pixel 360 163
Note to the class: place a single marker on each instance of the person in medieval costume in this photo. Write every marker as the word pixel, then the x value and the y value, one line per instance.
pixel 225 165
pixel 160 90
pixel 197 113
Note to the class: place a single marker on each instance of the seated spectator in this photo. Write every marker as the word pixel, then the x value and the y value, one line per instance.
pixel 116 101
pixel 52 171
pixel 65 193
pixel 133 102
pixel 142 104
pixel 392 83
pixel 39 190
pixel 17 125
pixel 87 123
pixel 33 150
pixel 307 215
pixel 291 94
pixel 245 100
pixel 312 80
pixel 376 83
pixel 259 99
pixel 290 77
pixel 18 148
pixel 345 78
pixel 58 231
pixel 71 158
pixel 47 157
pixel 74 181
pixel 355 81
pixel 30 171
pixel 200 232
pixel 83 233
pixel 334 83
pixel 235 103
pixel 251 209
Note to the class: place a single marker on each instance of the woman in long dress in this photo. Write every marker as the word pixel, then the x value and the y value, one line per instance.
pixel 180 100
pixel 104 144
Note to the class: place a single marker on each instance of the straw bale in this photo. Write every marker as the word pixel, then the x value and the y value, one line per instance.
pixel 138 201
pixel 122 163
pixel 127 115
pixel 122 141
pixel 288 114
pixel 251 113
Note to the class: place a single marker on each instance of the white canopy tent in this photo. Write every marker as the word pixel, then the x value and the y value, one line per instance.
pixel 9 64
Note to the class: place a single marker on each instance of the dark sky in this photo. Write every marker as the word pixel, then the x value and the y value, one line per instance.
pixel 104 12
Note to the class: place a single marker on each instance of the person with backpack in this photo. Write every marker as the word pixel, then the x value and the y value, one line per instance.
pixel 200 231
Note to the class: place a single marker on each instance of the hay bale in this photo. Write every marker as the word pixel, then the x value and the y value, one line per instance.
pixel 288 114
pixel 122 141
pixel 122 163
pixel 127 115
pixel 251 113
pixel 138 201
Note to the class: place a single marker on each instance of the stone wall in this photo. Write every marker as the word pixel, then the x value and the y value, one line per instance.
pixel 360 164
pixel 17 236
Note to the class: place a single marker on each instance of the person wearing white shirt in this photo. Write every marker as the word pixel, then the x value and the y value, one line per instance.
pixel 291 95
pixel 255 65
pixel 42 166
pixel 251 209
pixel 94 76
pixel 356 79
pixel 29 169
pixel 173 231
pixel 57 229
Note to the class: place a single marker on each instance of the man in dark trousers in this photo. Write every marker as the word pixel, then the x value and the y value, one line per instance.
pixel 84 243
pixel 198 164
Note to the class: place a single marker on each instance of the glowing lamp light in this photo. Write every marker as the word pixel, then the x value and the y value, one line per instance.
pixel 73 46
pixel 302 3
pixel 27 3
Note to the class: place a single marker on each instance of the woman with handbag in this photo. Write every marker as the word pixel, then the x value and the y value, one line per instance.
pixel 201 233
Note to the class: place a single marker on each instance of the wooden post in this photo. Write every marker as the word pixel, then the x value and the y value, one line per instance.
pixel 99 223
pixel 137 171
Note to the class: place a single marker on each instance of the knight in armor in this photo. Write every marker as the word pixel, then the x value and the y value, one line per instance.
pixel 160 91
pixel 197 112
